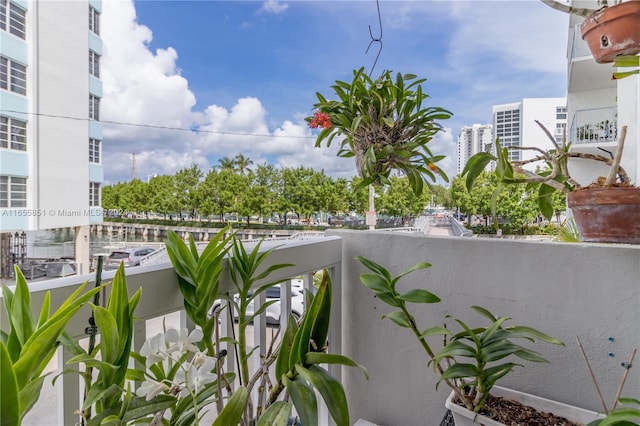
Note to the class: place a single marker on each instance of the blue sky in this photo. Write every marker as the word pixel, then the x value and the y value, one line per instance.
pixel 245 73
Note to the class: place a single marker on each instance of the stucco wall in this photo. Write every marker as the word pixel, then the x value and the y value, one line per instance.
pixel 566 290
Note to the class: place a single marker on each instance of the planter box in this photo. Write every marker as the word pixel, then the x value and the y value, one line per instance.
pixel 464 417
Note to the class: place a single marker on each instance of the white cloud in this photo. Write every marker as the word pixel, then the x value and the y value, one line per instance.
pixel 274 7
pixel 143 87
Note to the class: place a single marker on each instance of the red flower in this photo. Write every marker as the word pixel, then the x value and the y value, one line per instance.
pixel 320 119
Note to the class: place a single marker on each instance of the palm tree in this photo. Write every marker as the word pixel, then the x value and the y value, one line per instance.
pixel 227 163
pixel 242 163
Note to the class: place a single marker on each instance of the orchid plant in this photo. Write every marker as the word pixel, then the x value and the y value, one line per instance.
pixel 385 125
pixel 178 375
pixel 472 360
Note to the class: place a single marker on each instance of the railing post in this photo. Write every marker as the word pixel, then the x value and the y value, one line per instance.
pixel 68 391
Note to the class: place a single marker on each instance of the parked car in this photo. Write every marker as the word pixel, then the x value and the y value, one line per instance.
pixel 273 311
pixel 128 256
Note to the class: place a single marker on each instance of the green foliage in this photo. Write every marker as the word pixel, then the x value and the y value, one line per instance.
pixel 544 184
pixel 626 415
pixel 30 344
pixel 302 348
pixel 385 127
pixel 482 346
pixel 626 61
pixel 198 277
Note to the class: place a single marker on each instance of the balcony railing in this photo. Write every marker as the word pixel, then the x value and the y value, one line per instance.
pixel 579 47
pixel 566 290
pixel 595 125
pixel 161 296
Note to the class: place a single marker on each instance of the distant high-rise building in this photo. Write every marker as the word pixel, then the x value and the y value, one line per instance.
pixel 514 124
pixel 472 140
pixel 50 133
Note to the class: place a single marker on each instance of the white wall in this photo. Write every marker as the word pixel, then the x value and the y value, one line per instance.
pixel 567 290
pixel 59 86
pixel 543 110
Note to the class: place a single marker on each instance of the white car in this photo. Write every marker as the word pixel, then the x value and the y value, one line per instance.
pixel 273 311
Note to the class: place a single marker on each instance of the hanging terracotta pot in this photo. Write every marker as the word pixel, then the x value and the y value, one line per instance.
pixel 607 215
pixel 613 31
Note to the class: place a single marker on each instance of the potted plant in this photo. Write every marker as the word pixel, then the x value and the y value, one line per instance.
pixel 601 210
pixel 178 374
pixel 609 31
pixel 473 360
pixel 385 125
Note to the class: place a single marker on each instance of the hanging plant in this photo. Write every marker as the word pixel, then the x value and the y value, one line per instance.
pixel 385 127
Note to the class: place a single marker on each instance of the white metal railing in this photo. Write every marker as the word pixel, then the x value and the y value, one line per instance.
pixel 579 47
pixel 595 125
pixel 161 296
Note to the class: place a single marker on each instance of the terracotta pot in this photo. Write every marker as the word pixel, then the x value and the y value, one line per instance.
pixel 607 215
pixel 464 417
pixel 613 31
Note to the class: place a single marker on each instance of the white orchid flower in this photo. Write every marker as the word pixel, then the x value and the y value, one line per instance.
pixel 151 388
pixel 155 349
pixel 194 377
pixel 183 341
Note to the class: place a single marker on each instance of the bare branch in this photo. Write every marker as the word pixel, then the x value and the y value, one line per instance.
pixel 569 9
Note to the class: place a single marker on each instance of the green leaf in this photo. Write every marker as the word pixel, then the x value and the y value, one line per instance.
pixel 331 391
pixel 419 296
pixel 232 412
pixel 475 166
pixel 9 400
pixel 304 399
pixel 20 314
pixel 108 327
pixel 532 332
pixel 28 395
pixel 325 358
pixel 398 317
pixel 276 415
pixel 282 362
pixel 460 371
pixel 375 282
pixel 320 331
pixel 435 331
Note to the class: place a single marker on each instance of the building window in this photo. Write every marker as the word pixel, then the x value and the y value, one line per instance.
pixel 94 194
pixel 94 108
pixel 94 64
pixel 94 151
pixel 13 191
pixel 13 76
pixel 12 18
pixel 94 20
pixel 561 113
pixel 13 134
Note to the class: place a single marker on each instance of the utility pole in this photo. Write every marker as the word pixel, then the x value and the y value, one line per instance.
pixel 133 165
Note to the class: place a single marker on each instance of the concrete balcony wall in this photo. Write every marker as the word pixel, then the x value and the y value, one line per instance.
pixel 567 290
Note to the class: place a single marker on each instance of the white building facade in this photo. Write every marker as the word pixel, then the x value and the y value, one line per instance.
pixel 515 125
pixel 598 107
pixel 472 140
pixel 50 133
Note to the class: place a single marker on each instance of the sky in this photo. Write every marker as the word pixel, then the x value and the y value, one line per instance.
pixel 196 81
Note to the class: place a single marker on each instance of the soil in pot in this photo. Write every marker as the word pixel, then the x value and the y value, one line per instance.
pixel 513 413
